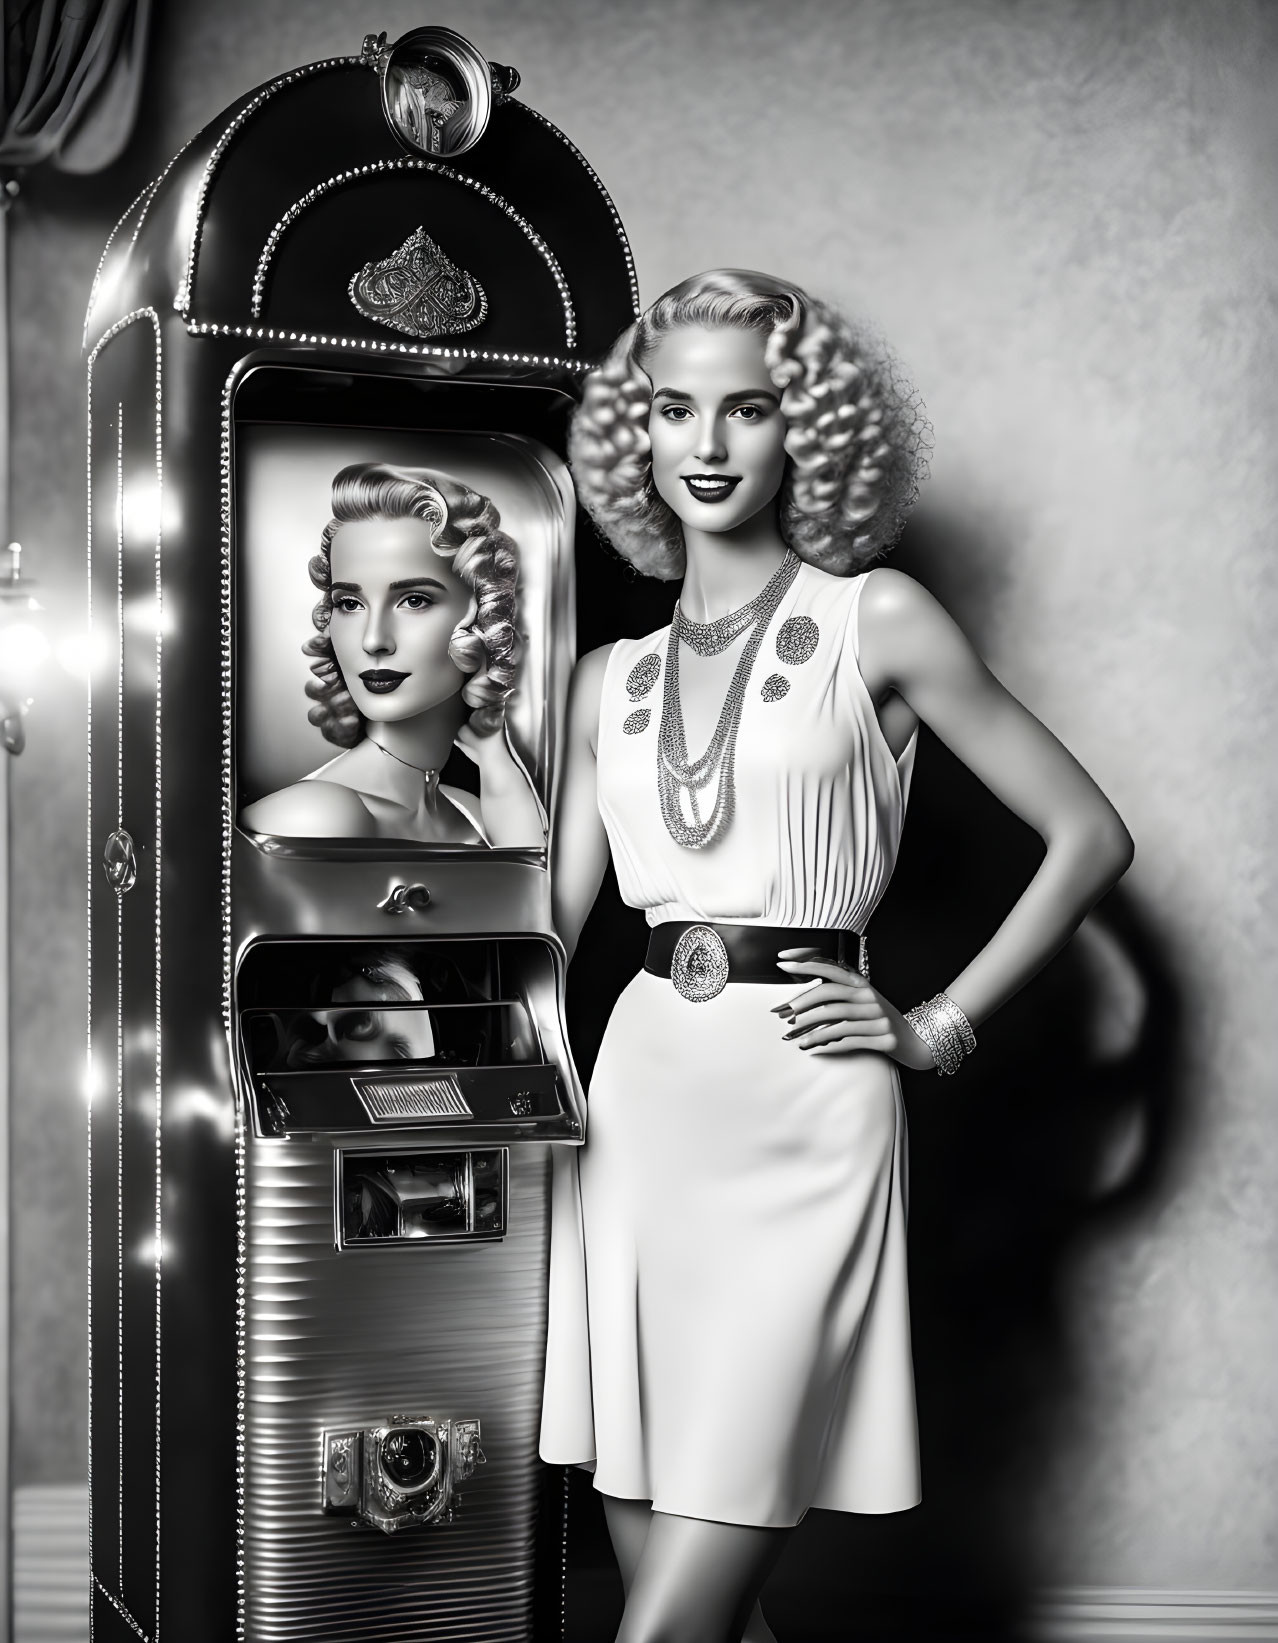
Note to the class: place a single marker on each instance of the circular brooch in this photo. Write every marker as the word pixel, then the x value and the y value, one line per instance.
pixel 797 640
pixel 774 687
pixel 642 676
pixel 699 965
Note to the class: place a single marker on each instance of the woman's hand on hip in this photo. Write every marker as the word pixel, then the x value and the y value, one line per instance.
pixel 842 1012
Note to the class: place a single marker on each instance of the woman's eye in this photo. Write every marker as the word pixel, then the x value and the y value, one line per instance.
pixel 748 413
pixel 416 601
pixel 359 1024
pixel 676 413
pixel 346 604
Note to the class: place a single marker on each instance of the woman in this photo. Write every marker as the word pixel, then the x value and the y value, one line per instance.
pixel 741 1295
pixel 415 624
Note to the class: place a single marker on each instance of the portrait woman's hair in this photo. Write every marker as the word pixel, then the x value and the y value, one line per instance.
pixel 466 533
pixel 857 437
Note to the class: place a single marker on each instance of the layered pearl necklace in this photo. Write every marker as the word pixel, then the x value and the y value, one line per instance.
pixel 678 775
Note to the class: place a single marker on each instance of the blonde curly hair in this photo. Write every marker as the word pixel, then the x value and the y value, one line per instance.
pixel 466 532
pixel 857 436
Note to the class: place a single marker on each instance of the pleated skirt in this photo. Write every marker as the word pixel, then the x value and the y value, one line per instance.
pixel 729 1331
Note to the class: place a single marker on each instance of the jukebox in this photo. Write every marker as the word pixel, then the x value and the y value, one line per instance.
pixel 331 354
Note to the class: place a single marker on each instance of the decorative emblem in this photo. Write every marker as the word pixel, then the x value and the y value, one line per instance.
pixel 419 290
pixel 642 676
pixel 699 966
pixel 120 861
pixel 775 687
pixel 636 722
pixel 797 640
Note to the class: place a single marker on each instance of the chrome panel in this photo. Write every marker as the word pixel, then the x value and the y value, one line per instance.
pixel 467 1329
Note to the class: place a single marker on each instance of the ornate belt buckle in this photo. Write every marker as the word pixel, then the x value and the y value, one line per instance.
pixel 699 965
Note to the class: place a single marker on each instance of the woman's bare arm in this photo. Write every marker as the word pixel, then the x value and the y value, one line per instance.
pixel 507 804
pixel 579 845
pixel 910 645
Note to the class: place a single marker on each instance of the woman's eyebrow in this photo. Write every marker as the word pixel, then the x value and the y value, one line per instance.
pixel 344 587
pixel 728 399
pixel 416 582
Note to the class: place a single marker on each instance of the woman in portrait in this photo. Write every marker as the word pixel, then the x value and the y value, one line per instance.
pixel 414 651
pixel 729 1334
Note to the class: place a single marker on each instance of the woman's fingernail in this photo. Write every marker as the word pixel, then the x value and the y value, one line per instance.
pixel 794 1032
pixel 782 1009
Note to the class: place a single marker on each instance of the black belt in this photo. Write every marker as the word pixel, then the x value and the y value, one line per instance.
pixel 700 959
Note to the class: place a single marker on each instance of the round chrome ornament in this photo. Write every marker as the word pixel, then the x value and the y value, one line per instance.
pixel 699 965
pixel 437 90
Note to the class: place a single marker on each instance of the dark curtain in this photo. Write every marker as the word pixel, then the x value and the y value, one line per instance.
pixel 72 74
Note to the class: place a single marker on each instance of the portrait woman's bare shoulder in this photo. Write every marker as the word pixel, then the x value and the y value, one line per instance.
pixel 311 809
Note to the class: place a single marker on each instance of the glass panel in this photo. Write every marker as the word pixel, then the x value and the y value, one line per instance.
pixel 374 1033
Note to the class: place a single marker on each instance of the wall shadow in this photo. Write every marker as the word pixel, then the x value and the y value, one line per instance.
pixel 1062 1121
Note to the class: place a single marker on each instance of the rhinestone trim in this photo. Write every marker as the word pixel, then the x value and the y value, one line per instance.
pixel 699 964
pixel 148 194
pixel 119 973
pixel 586 166
pixel 642 676
pixel 374 345
pixel 106 251
pixel 121 1611
pixel 241 1161
pixel 380 167
pixel 775 686
pixel 186 290
pixel 112 332
pixel 797 640
pixel 637 722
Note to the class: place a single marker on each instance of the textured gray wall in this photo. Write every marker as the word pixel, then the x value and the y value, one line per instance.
pixel 1063 216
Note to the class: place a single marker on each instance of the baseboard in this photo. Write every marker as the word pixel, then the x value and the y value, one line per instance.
pixel 51 1592
pixel 1109 1614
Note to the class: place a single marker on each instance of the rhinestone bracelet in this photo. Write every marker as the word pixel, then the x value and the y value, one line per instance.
pixel 945 1030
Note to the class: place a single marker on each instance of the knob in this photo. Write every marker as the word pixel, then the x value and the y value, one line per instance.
pixel 120 861
pixel 406 898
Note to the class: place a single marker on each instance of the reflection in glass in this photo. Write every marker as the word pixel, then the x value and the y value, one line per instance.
pixel 370 1008
pixel 437 91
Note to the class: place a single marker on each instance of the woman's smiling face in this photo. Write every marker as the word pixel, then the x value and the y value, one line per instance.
pixel 717 432
pixel 396 603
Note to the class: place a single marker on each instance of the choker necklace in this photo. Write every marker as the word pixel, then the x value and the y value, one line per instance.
pixel 678 775
pixel 430 777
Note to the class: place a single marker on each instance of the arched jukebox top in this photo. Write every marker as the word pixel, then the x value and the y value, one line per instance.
pixel 322 210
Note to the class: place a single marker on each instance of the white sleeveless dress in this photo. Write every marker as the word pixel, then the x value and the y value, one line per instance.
pixel 729 1329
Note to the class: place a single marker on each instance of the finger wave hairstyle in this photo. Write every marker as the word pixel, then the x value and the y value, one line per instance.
pixel 857 435
pixel 466 532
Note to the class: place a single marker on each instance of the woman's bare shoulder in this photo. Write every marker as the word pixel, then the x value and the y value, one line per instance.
pixel 310 809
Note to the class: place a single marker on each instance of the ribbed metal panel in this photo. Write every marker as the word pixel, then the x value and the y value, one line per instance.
pixel 343 1339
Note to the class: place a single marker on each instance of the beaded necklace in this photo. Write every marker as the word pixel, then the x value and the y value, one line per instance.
pixel 676 773
pixel 430 777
